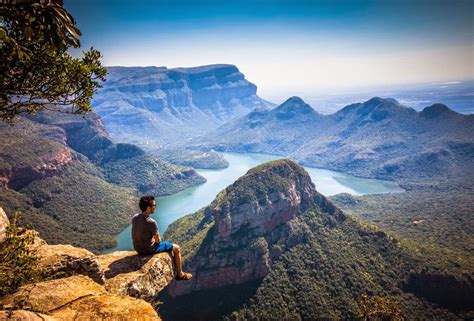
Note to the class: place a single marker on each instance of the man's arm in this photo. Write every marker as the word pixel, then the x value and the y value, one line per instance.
pixel 153 228
pixel 157 237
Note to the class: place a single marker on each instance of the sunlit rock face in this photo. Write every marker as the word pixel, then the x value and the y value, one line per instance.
pixel 156 106
pixel 250 217
pixel 79 298
pixel 113 286
pixel 4 221
pixel 261 200
pixel 70 260
pixel 45 145
pixel 141 276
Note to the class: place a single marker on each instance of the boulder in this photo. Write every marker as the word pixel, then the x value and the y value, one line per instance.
pixel 4 222
pixel 77 298
pixel 86 291
pixel 23 315
pixel 107 307
pixel 141 276
pixel 70 260
pixel 52 295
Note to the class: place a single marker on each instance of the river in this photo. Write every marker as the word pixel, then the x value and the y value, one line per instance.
pixel 172 207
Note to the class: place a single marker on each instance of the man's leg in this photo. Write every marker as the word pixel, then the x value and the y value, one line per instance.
pixel 178 263
pixel 177 259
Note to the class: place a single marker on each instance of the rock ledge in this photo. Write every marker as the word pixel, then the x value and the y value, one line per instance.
pixel 112 286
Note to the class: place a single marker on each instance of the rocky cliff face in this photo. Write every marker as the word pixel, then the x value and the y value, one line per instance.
pixel 20 175
pixel 261 200
pixel 4 221
pixel 86 135
pixel 152 106
pixel 251 217
pixel 112 286
pixel 77 298
pixel 30 152
pixel 271 245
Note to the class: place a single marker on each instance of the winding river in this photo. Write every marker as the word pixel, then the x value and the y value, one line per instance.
pixel 172 207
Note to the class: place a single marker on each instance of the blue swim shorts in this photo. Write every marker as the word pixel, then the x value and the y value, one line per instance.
pixel 163 247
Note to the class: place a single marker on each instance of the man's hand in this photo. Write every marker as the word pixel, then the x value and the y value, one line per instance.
pixel 157 238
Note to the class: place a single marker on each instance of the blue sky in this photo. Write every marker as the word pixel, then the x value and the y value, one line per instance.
pixel 289 46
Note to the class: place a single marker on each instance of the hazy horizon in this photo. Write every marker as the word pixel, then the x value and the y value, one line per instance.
pixel 457 95
pixel 289 46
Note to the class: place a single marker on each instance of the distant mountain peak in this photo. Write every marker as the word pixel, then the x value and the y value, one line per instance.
pixel 377 103
pixel 393 100
pixel 294 105
pixel 374 101
pixel 436 110
pixel 294 100
pixel 367 106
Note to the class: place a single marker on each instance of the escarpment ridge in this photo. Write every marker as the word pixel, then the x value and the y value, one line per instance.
pixel 270 241
pixel 156 106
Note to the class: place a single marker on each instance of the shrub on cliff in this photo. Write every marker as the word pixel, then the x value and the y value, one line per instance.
pixel 18 258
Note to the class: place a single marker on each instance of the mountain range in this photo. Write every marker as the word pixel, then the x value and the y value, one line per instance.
pixel 269 245
pixel 378 138
pixel 153 107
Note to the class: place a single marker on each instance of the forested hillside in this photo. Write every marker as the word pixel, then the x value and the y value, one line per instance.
pixel 270 244
pixel 73 183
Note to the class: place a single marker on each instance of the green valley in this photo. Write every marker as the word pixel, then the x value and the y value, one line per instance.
pixel 73 183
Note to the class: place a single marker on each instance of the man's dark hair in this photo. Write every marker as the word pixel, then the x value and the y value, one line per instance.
pixel 145 202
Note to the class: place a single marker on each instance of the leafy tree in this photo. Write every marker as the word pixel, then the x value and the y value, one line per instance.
pixel 36 71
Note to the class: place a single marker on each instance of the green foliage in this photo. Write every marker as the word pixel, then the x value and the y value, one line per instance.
pixel 79 202
pixel 193 158
pixel 439 223
pixel 37 73
pixel 85 205
pixel 150 175
pixel 18 258
pixel 326 275
pixel 260 182
pixel 189 232
pixel 48 228
pixel 67 206
pixel 39 21
pixel 379 308
pixel 27 143
pixel 322 271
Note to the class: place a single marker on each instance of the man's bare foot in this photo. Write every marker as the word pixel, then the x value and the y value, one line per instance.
pixel 184 276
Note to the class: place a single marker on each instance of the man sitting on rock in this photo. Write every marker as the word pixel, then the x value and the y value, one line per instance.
pixel 147 240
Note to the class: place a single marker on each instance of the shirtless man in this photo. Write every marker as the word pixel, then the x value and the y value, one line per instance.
pixel 147 240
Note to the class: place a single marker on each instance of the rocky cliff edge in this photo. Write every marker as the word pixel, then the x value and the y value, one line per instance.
pixel 114 286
